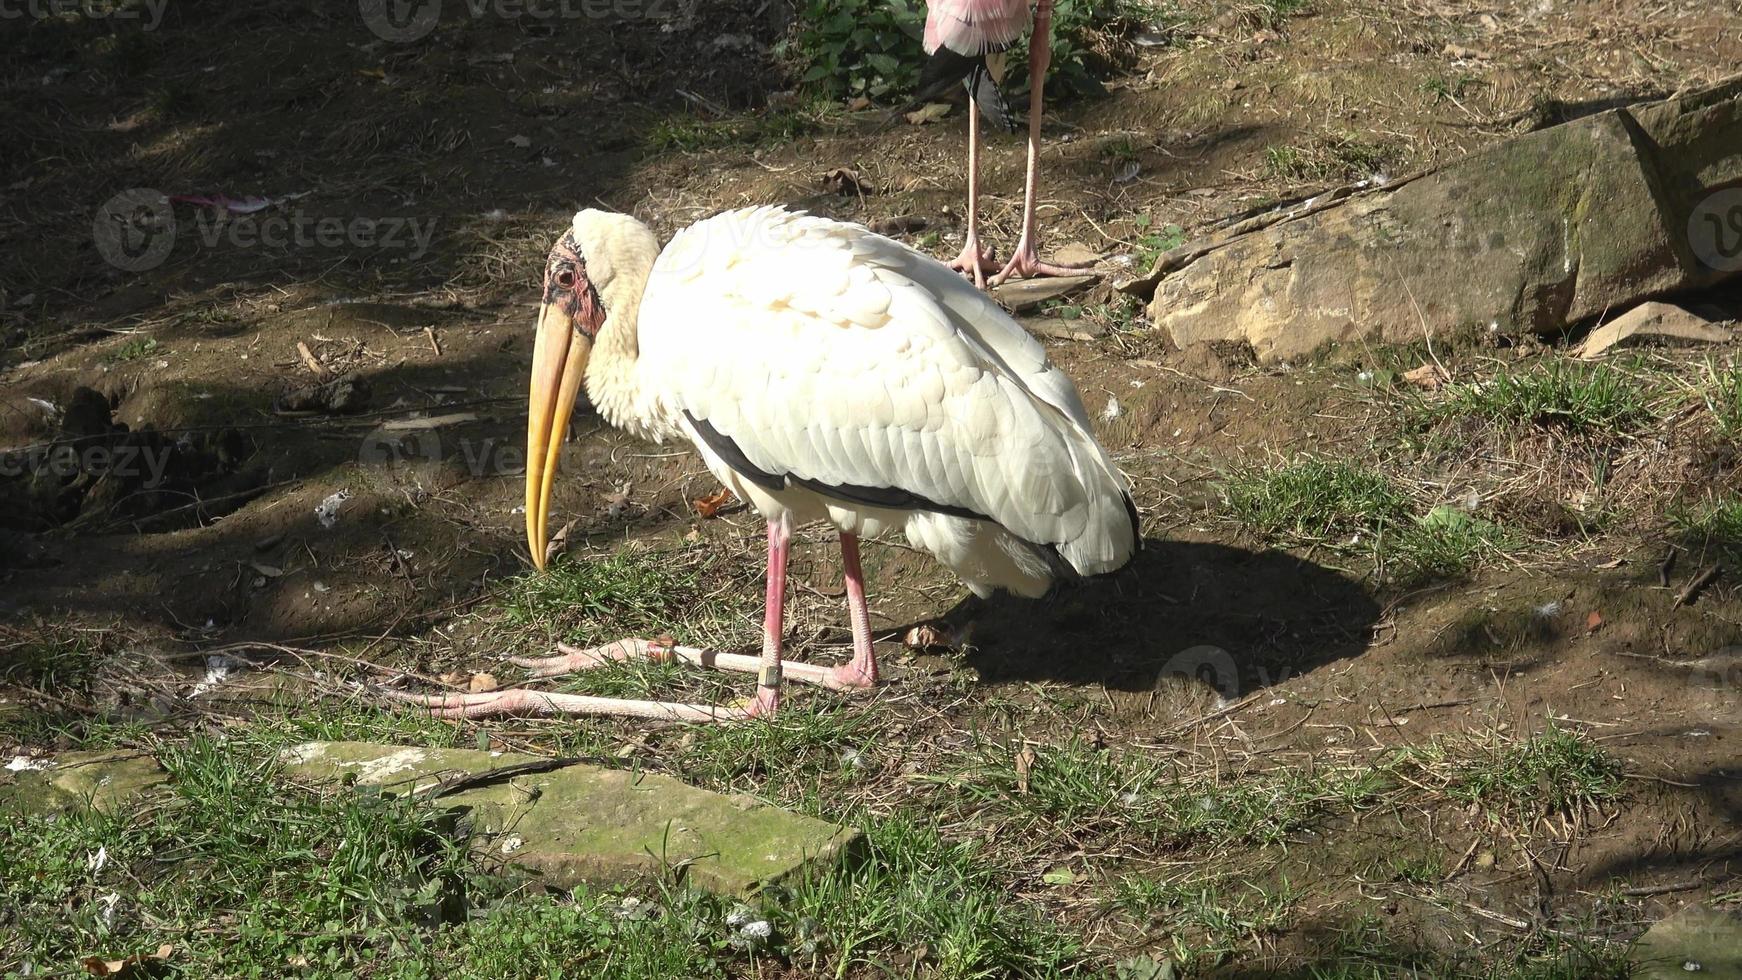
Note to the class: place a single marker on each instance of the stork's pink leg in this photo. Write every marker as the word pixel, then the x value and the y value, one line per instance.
pixel 1025 261
pixel 975 261
pixel 767 700
pixel 770 669
pixel 862 670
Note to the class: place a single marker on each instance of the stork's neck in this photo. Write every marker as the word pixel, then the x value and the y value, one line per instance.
pixel 613 373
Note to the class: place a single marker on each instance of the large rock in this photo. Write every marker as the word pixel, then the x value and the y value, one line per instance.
pixel 582 823
pixel 100 780
pixel 1547 230
pixel 1697 941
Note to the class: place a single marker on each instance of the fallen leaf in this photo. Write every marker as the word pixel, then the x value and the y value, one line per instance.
pixel 559 540
pixel 1059 876
pixel 97 966
pixel 710 505
pixel 270 571
pixel 1429 376
pixel 520 142
pixel 929 113
pixel 1024 766
pixel 859 104
pixel 847 181
pixel 482 683
pixel 1613 563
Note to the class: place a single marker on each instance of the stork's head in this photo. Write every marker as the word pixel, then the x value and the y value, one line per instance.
pixel 599 265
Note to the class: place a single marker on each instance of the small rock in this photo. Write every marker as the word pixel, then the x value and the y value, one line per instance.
pixel 1655 320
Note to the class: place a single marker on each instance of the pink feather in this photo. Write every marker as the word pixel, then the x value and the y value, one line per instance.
pixel 974 27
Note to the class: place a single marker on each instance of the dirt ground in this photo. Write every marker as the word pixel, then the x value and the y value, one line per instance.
pixel 493 131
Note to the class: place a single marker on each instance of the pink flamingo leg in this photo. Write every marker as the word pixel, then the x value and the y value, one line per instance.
pixel 1025 261
pixel 974 262
pixel 862 671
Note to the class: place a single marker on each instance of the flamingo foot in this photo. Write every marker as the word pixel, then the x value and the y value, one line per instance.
pixel 1026 263
pixel 976 261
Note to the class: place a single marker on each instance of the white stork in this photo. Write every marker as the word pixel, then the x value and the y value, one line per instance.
pixel 824 373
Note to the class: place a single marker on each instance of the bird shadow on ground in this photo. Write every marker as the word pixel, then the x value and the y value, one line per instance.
pixel 1236 619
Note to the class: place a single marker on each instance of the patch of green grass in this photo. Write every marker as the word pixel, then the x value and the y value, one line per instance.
pixel 921 903
pixel 1559 394
pixel 134 349
pixel 1207 920
pixel 692 594
pixel 1087 794
pixel 1269 14
pixel 1715 529
pixel 1364 950
pixel 1152 243
pixel 58 668
pixel 1447 542
pixel 1447 87
pixel 1722 393
pixel 1339 155
pixel 1354 509
pixel 1290 163
pixel 1520 780
pixel 1312 499
pixel 241 873
pixel 807 742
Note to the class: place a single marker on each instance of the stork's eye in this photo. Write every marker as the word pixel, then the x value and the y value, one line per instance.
pixel 566 278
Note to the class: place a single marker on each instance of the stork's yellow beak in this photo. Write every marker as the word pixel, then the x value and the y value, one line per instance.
pixel 559 360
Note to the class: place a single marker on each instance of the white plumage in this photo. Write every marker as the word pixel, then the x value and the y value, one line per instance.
pixel 824 373
pixel 832 357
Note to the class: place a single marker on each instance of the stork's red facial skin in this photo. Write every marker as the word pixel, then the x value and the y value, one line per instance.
pixel 567 289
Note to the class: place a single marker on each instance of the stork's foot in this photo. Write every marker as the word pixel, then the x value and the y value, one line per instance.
pixel 1026 263
pixel 570 660
pixel 976 261
pixel 527 703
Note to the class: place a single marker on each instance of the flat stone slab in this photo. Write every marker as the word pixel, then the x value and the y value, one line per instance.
pixel 1698 941
pixel 581 823
pixel 1022 295
pixel 99 780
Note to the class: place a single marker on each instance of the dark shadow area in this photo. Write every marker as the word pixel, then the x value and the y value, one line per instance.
pixel 1235 619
